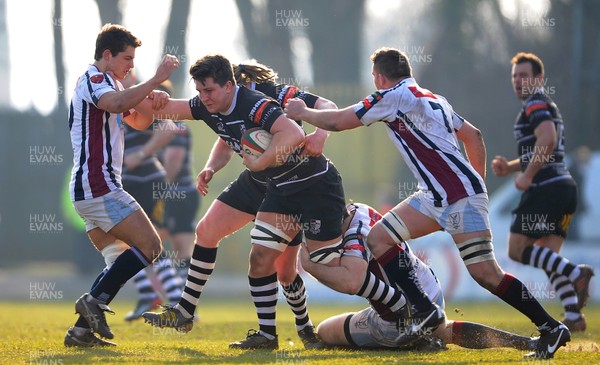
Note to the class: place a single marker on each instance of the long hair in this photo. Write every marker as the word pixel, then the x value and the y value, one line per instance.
pixel 252 71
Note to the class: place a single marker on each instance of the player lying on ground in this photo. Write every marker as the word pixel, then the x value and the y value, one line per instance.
pixel 355 271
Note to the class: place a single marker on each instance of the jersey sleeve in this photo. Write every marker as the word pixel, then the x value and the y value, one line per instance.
pixel 537 111
pixel 264 113
pixel 197 108
pixel 96 85
pixel 457 121
pixel 377 107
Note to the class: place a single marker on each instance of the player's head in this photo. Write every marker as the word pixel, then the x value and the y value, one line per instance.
pixel 527 74
pixel 389 66
pixel 115 49
pixel 251 71
pixel 213 76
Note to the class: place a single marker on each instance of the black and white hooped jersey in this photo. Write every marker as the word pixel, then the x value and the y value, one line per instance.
pixel 538 108
pixel 251 109
pixel 423 127
pixel 150 168
pixel 96 138
pixel 354 240
pixel 183 139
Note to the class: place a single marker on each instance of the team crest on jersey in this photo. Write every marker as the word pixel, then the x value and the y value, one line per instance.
pixel 221 127
pixel 454 220
pixel 372 99
pixel 242 129
pixel 96 79
pixel 315 226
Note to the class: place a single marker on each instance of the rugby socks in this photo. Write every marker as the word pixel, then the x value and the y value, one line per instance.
pixel 548 260
pixel 201 267
pixel 375 289
pixel 124 268
pixel 512 291
pixel 144 286
pixel 264 295
pixel 81 322
pixel 566 293
pixel 170 281
pixel 295 294
pixel 400 270
pixel 477 336
pixel 182 270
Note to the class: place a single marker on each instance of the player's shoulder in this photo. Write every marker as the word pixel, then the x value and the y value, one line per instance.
pixel 537 102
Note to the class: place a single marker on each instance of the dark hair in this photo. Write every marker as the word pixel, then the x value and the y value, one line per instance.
pixel 391 63
pixel 537 66
pixel 215 66
pixel 115 38
pixel 252 71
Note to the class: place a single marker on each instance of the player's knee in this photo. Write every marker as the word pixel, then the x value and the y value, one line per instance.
pixel 286 275
pixel 205 236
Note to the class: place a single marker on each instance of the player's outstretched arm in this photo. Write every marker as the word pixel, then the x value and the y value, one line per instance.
pixel 330 120
pixel 122 101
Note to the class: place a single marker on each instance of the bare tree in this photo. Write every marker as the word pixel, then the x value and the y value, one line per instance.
pixel 110 11
pixel 59 66
pixel 4 60
pixel 175 41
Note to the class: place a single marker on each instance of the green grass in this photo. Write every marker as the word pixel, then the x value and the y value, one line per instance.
pixel 32 333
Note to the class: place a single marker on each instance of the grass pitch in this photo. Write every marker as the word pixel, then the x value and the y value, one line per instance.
pixel 33 332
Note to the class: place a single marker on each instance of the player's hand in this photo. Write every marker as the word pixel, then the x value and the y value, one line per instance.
pixel 304 257
pixel 204 177
pixel 523 181
pixel 314 144
pixel 159 99
pixel 500 166
pixel 251 162
pixel 168 64
pixel 294 109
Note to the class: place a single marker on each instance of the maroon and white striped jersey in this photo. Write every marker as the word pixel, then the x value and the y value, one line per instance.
pixel 96 138
pixel 423 127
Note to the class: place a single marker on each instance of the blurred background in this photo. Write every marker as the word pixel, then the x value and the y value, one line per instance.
pixel 460 49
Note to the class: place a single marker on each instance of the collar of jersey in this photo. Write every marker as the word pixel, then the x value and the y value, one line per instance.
pixel 232 106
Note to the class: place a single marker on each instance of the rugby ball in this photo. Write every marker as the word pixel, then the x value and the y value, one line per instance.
pixel 255 141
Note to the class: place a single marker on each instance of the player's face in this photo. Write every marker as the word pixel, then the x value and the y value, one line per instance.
pixel 121 63
pixel 524 83
pixel 216 98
